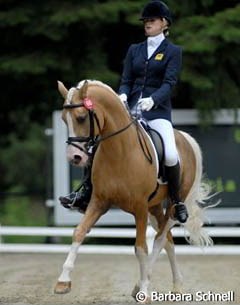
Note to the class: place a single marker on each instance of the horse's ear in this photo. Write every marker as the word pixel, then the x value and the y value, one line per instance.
pixel 62 89
pixel 83 91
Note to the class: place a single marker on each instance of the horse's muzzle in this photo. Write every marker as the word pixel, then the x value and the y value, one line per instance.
pixel 76 157
pixel 76 160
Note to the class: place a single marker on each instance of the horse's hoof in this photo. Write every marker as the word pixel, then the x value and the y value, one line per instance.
pixel 62 287
pixel 135 291
pixel 142 298
pixel 139 296
pixel 177 289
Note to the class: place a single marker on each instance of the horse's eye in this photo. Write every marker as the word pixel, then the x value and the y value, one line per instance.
pixel 81 119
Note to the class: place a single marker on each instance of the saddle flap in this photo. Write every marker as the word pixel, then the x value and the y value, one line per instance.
pixel 158 143
pixel 159 147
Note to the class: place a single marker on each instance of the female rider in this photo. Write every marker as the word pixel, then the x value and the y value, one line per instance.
pixel 151 70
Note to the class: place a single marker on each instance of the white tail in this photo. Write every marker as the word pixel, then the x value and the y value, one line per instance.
pixel 196 201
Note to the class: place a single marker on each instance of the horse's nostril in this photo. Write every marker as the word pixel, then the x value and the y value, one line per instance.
pixel 77 158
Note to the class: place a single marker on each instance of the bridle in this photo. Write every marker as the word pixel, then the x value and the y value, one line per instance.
pixel 91 141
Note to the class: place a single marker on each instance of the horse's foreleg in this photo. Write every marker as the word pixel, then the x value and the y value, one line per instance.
pixel 141 252
pixel 177 276
pixel 64 282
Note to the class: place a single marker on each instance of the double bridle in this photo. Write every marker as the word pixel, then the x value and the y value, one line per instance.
pixel 92 140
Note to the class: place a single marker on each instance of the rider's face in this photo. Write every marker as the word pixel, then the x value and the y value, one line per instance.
pixel 154 26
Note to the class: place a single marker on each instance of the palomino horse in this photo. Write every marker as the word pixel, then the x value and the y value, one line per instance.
pixel 124 174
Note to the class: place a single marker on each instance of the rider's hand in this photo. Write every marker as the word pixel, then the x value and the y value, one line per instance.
pixel 123 98
pixel 146 103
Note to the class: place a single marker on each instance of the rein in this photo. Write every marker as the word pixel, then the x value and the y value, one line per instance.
pixel 91 141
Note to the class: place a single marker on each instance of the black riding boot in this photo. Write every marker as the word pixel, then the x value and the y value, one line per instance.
pixel 80 198
pixel 173 177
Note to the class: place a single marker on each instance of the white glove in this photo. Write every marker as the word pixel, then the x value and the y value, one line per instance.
pixel 123 98
pixel 146 103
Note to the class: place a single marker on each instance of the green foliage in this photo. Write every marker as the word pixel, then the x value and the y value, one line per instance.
pixel 23 162
pixel 10 18
pixel 34 63
pixel 211 44
pixel 23 211
pixel 71 40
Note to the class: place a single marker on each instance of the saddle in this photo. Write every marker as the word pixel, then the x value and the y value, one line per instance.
pixel 159 147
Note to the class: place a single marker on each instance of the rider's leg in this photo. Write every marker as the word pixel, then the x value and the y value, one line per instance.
pixel 172 168
pixel 81 198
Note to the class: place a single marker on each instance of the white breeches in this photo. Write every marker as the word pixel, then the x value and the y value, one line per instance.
pixel 164 127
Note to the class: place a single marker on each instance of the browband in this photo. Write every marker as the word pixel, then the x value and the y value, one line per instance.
pixel 70 106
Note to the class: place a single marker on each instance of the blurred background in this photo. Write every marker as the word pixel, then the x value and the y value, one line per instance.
pixel 49 40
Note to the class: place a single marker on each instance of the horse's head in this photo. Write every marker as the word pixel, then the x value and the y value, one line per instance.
pixel 79 117
pixel 93 112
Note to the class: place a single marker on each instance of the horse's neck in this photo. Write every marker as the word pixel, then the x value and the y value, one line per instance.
pixel 115 118
pixel 119 144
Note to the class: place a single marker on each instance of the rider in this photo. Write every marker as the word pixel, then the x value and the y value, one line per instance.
pixel 151 70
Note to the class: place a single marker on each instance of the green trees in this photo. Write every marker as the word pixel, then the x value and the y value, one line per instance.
pixel 211 45
pixel 43 41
